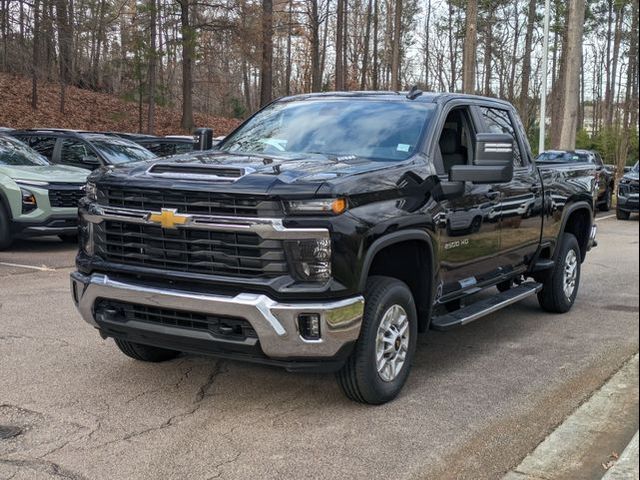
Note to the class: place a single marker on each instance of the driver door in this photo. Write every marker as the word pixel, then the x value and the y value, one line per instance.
pixel 469 225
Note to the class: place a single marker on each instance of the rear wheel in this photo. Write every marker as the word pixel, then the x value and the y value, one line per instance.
pixel 5 230
pixel 379 365
pixel 560 288
pixel 622 214
pixel 145 353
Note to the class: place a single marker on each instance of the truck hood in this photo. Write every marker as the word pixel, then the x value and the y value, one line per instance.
pixel 631 176
pixel 45 173
pixel 253 174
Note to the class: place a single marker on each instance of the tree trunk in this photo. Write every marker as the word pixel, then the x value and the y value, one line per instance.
pixel 65 37
pixel 287 73
pixel 572 75
pixel 339 73
pixel 427 47
pixel 525 111
pixel 395 48
pixel 266 70
pixel 469 53
pixel 188 47
pixel 367 41
pixel 611 104
pixel 488 54
pixel 316 75
pixel 35 55
pixel 374 72
pixel 153 74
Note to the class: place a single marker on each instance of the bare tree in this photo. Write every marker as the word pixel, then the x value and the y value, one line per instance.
pixel 188 48
pixel 469 53
pixel 266 70
pixel 572 75
pixel 395 47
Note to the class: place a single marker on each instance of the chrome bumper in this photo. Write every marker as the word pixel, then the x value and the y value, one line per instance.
pixel 275 323
pixel 592 237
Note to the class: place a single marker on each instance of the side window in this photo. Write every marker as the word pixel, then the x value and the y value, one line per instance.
pixel 456 140
pixel 598 159
pixel 498 121
pixel 41 144
pixel 76 153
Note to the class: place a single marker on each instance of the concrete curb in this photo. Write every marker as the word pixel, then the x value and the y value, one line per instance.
pixel 574 449
pixel 626 468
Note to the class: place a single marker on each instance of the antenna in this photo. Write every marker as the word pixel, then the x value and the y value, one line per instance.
pixel 414 93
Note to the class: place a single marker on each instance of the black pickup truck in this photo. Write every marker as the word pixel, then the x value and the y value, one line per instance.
pixel 327 231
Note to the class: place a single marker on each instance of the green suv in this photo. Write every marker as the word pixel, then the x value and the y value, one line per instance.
pixel 36 198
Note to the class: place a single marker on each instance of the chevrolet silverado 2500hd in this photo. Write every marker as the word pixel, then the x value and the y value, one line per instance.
pixel 329 229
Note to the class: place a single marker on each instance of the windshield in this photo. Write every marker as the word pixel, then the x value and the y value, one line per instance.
pixel 563 157
pixel 379 130
pixel 15 153
pixel 122 151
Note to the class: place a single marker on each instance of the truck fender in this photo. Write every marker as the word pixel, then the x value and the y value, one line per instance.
pixel 424 303
pixel 578 205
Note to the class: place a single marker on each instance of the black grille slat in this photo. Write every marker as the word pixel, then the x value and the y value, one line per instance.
pixel 65 198
pixel 190 250
pixel 189 202
pixel 228 327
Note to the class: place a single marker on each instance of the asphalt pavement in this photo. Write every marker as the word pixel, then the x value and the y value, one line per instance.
pixel 478 400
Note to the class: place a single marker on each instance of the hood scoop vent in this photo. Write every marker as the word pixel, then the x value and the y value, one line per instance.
pixel 198 172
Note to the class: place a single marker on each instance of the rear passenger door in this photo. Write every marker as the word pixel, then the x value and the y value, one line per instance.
pixel 521 200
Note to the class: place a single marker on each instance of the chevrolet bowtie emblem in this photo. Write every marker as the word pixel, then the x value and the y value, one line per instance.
pixel 168 218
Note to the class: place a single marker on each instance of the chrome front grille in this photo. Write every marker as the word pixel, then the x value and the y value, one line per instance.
pixel 187 201
pixel 210 252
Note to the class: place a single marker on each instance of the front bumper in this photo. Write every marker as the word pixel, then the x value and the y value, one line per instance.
pixel 54 225
pixel 628 203
pixel 275 323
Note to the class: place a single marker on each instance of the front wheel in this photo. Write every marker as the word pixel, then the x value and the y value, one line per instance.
pixel 379 365
pixel 5 230
pixel 560 288
pixel 622 214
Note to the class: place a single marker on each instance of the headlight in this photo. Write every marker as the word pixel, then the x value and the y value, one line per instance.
pixel 309 260
pixel 29 203
pixel 91 191
pixel 329 206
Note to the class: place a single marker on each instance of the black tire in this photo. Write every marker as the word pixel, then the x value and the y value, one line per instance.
pixel 145 353
pixel 5 228
pixel 69 237
pixel 605 206
pixel 504 286
pixel 552 297
pixel 359 378
pixel 622 214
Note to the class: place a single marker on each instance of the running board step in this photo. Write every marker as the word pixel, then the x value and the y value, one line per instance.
pixel 485 307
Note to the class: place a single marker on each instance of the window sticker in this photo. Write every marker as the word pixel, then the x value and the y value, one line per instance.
pixel 403 147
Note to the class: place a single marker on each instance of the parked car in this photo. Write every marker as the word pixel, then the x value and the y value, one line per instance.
pixel 319 235
pixel 605 177
pixel 628 194
pixel 36 198
pixel 88 150
pixel 164 146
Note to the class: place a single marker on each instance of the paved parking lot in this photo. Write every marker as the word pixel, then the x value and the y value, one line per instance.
pixel 478 400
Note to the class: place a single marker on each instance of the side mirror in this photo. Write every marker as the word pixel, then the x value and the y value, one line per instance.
pixel 493 161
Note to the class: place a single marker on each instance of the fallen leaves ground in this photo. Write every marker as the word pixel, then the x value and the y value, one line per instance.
pixel 87 110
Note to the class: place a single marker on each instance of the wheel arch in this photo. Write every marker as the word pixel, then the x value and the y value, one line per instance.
pixel 415 267
pixel 577 220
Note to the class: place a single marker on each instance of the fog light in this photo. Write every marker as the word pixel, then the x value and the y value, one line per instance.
pixel 29 203
pixel 309 326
